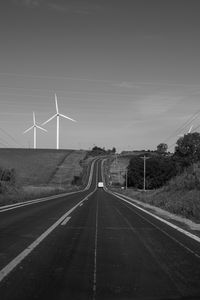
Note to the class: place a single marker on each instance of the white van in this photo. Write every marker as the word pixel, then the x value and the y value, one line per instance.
pixel 100 184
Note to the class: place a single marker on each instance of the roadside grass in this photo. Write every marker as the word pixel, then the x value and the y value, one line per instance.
pixel 70 168
pixel 21 194
pixel 42 173
pixel 183 203
pixel 181 196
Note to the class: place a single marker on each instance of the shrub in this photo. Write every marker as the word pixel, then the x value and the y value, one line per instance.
pixel 159 170
pixel 7 179
pixel 77 180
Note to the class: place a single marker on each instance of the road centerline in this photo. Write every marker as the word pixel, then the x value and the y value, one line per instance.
pixel 95 252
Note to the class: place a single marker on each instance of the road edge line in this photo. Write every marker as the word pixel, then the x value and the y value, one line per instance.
pixel 20 257
pixel 40 200
pixel 187 233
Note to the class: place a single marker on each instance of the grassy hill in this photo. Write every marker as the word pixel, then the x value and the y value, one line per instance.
pixel 41 172
pixel 32 166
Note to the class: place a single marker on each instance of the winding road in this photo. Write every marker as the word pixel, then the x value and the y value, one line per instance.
pixel 93 244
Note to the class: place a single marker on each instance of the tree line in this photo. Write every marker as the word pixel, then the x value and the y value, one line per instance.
pixel 98 151
pixel 162 165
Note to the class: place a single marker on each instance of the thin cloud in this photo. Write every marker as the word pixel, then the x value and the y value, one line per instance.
pixel 154 105
pixel 75 7
pixel 126 85
pixel 57 7
pixel 65 8
pixel 28 3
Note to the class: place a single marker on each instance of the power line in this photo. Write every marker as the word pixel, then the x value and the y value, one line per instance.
pixel 196 128
pixel 185 124
pixel 10 136
pixel 3 142
pixel 57 77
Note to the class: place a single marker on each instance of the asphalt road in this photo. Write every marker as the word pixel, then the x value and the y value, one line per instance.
pixel 94 247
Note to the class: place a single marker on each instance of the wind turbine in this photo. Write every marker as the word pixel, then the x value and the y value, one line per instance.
pixel 34 127
pixel 57 116
pixel 189 131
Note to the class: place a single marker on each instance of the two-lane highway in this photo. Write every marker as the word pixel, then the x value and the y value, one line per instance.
pixel 22 224
pixel 102 248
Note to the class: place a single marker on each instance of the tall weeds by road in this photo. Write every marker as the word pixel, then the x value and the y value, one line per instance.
pixel 180 196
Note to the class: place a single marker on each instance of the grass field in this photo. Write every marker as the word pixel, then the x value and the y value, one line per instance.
pixel 70 167
pixel 33 167
pixel 41 172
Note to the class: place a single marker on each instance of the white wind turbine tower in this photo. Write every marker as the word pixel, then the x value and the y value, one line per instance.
pixel 57 116
pixel 34 127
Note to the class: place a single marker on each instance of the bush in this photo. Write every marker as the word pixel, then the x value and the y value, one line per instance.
pixel 7 179
pixel 77 180
pixel 159 170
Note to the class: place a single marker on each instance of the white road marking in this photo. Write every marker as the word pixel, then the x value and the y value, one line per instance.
pixel 187 233
pixel 166 222
pixel 65 221
pixel 81 204
pixel 18 259
pixel 30 202
pixel 21 204
pixel 193 236
pixel 95 254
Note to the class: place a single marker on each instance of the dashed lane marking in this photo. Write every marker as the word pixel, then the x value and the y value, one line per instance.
pixel 19 258
pixel 65 221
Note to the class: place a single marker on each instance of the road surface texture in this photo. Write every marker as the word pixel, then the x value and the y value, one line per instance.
pixel 94 247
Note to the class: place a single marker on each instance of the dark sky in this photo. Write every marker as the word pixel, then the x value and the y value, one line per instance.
pixel 128 71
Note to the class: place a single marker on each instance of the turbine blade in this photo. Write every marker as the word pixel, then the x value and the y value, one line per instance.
pixel 56 101
pixel 190 130
pixel 49 119
pixel 67 118
pixel 28 129
pixel 40 128
pixel 33 118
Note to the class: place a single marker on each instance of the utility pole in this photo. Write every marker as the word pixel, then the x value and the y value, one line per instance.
pixel 117 166
pixel 144 158
pixel 126 178
pixel 124 171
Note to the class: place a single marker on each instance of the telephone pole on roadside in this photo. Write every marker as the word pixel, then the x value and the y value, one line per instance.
pixel 144 183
